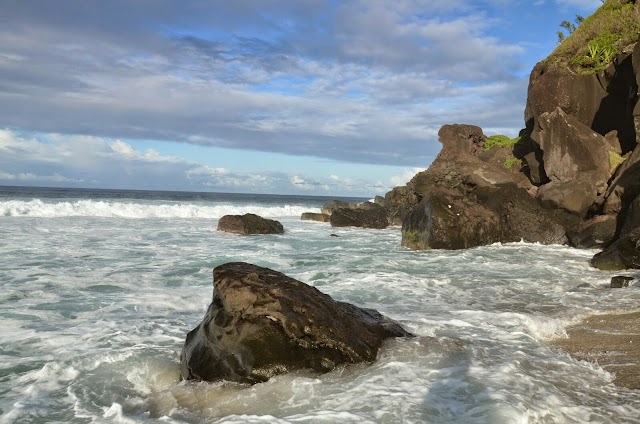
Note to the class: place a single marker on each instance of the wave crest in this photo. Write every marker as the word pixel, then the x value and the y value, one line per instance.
pixel 91 208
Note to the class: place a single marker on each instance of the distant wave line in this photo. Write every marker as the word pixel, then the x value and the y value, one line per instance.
pixel 107 209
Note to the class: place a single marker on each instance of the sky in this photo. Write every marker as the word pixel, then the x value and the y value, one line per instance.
pixel 318 97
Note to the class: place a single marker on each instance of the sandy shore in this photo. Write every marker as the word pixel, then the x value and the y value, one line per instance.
pixel 611 340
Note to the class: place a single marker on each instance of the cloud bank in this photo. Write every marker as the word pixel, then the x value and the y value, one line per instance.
pixel 361 81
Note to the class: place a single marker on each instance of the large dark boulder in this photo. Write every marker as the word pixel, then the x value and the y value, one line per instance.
pixel 365 216
pixel 576 161
pixel 249 224
pixel 262 323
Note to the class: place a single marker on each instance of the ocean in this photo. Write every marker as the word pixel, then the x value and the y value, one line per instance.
pixel 98 289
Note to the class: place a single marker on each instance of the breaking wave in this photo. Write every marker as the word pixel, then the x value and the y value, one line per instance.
pixel 105 209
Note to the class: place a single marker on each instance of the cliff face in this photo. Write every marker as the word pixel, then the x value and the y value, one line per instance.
pixel 577 160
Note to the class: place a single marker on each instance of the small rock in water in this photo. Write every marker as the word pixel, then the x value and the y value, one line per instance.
pixel 334 235
pixel 249 224
pixel 620 281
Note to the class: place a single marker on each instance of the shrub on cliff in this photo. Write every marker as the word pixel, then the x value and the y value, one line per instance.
pixel 499 141
pixel 600 37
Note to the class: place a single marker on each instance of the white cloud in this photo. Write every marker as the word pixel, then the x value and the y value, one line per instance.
pixel 81 161
pixel 373 72
pixel 402 179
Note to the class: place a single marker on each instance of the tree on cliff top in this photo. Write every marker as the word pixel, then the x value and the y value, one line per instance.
pixel 592 45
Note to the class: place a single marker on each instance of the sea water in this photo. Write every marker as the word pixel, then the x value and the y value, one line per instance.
pixel 98 290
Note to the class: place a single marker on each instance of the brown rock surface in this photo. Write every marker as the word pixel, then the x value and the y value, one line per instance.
pixel 611 340
pixel 261 323
pixel 312 216
pixel 249 224
pixel 368 215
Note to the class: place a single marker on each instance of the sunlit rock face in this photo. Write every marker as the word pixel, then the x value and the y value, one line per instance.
pixel 262 323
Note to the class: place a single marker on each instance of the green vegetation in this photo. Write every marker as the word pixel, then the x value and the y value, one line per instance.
pixel 412 239
pixel 499 141
pixel 591 46
pixel 615 160
pixel 510 162
pixel 570 27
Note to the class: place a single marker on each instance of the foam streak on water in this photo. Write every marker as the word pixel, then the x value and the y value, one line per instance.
pixel 96 297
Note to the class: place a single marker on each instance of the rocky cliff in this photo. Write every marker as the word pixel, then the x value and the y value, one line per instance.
pixel 573 174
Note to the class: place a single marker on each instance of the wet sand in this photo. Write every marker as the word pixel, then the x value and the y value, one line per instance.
pixel 610 340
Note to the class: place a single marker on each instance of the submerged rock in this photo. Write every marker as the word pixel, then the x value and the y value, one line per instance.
pixel 262 323
pixel 248 224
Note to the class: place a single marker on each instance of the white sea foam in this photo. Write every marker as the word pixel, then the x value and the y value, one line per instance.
pixel 94 312
pixel 105 209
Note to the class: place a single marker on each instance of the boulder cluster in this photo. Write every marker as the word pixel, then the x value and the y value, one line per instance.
pixel 572 177
pixel 347 214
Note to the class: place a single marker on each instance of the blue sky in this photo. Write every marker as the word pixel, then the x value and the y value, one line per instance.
pixel 269 96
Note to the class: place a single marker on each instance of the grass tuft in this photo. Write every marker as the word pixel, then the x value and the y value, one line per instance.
pixel 600 38
pixel 499 141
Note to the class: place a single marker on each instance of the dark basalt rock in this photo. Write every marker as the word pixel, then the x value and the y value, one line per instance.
pixel 262 323
pixel 332 205
pixel 620 281
pixel 368 215
pixel 622 254
pixel 249 224
pixel 593 233
pixel 576 161
pixel 311 216
pixel 399 202
pixel 447 221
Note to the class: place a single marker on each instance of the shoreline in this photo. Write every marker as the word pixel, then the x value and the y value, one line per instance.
pixel 611 340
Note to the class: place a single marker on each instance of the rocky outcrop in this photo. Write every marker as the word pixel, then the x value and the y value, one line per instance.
pixel 602 101
pixel 585 132
pixel 573 177
pixel 363 215
pixel 311 216
pixel 468 197
pixel 368 215
pixel 249 224
pixel 262 323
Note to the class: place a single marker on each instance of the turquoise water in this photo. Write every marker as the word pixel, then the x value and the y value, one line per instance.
pixel 98 291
